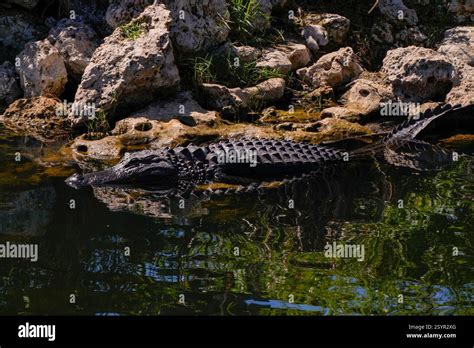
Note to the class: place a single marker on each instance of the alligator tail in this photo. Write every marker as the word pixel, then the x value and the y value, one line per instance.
pixel 404 132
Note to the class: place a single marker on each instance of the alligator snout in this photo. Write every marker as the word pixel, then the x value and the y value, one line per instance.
pixel 75 181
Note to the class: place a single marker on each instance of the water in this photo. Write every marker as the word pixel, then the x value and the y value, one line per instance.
pixel 239 255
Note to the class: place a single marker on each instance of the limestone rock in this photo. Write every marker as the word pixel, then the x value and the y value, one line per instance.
pixel 121 12
pixel 418 74
pixel 315 36
pixel 336 26
pixel 127 72
pixel 298 54
pixel 182 107
pixel 463 92
pixel 9 86
pixel 196 25
pixel 333 69
pixel 246 54
pixel 275 59
pixel 41 69
pixel 37 117
pixel 128 134
pixel 232 99
pixel 76 42
pixel 458 44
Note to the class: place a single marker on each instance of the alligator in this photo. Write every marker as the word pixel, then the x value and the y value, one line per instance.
pixel 246 161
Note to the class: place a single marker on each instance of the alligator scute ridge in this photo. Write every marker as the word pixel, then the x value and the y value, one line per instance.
pixel 185 167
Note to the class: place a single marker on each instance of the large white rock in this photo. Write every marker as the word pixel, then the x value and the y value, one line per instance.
pixel 76 42
pixel 126 73
pixel 419 74
pixel 41 69
pixel 333 69
pixel 196 25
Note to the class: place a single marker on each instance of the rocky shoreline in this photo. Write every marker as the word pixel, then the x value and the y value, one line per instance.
pixel 121 75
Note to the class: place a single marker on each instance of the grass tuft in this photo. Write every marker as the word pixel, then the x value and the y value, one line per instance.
pixel 133 30
pixel 246 14
pixel 98 125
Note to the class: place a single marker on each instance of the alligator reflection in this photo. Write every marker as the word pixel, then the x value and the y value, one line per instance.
pixel 256 253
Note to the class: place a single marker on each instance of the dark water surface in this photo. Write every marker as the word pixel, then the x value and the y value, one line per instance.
pixel 244 254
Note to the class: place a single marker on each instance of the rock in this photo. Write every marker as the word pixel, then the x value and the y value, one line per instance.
pixel 76 42
pixel 462 9
pixel 298 54
pixel 231 100
pixel 9 87
pixel 196 25
pixel 315 36
pixel 336 26
pixel 246 54
pixel 17 28
pixel 128 134
pixel 396 11
pixel 366 95
pixel 334 69
pixel 37 117
pixel 121 12
pixel 41 69
pixel 266 91
pixel 276 60
pixel 463 91
pixel 127 72
pixel 417 74
pixel 363 98
pixel 28 4
pixel 183 108
pixel 458 44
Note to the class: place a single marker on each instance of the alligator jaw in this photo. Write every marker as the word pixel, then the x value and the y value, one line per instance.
pixel 78 181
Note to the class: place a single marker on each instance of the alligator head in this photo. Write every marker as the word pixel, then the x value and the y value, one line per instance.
pixel 145 167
